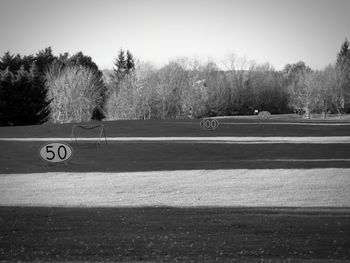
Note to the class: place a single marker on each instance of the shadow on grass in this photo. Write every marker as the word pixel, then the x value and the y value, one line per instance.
pixel 174 234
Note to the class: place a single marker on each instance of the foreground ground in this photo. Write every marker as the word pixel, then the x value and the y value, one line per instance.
pixel 167 201
pixel 166 234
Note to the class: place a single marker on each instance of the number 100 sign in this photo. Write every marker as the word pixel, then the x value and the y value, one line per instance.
pixel 209 124
pixel 56 152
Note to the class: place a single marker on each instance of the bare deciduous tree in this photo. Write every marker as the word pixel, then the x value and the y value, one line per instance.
pixel 301 87
pixel 239 73
pixel 173 80
pixel 75 92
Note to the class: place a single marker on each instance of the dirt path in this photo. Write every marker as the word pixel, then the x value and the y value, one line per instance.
pixel 279 187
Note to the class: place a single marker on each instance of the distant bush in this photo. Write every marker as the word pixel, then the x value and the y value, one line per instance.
pixel 97 114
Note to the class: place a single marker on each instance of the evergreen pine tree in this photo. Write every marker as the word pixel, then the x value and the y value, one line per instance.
pixel 6 61
pixel 343 68
pixel 27 61
pixel 82 60
pixel 6 79
pixel 6 76
pixel 130 63
pixel 19 100
pixel 23 97
pixel 43 59
pixel 41 103
pixel 120 66
pixel 344 53
pixel 14 62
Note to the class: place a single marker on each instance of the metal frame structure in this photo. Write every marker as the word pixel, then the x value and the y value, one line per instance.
pixel 88 127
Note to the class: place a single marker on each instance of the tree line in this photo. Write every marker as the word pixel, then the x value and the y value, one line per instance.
pixel 39 88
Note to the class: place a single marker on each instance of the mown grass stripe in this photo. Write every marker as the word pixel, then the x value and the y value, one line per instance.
pixel 219 139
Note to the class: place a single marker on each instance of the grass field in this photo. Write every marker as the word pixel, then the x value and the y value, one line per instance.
pixel 238 126
pixel 182 200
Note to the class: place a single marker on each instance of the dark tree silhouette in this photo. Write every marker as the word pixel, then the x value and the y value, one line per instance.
pixel 344 53
pixel 130 63
pixel 83 60
pixel 12 62
pixel 343 68
pixel 120 68
pixel 6 96
pixel 43 59
pixel 23 97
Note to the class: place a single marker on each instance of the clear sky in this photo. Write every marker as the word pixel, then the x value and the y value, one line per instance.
pixel 275 31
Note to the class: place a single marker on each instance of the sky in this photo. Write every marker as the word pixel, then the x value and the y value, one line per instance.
pixel 274 31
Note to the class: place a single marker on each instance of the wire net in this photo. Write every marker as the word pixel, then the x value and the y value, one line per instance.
pixel 88 133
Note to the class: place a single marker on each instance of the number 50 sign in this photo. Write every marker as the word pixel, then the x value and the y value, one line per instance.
pixel 56 152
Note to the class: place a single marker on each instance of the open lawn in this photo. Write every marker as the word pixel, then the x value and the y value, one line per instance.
pixel 180 200
pixel 23 157
pixel 238 126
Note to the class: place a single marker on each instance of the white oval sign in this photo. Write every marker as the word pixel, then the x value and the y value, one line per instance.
pixel 264 115
pixel 209 124
pixel 56 152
